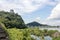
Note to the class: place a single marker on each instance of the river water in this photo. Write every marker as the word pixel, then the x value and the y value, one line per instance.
pixel 51 29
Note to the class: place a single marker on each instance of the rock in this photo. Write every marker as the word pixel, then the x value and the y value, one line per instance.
pixel 3 34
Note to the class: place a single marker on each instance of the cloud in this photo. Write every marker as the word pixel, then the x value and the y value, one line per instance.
pixel 37 19
pixel 52 23
pixel 24 6
pixel 55 15
pixel 54 18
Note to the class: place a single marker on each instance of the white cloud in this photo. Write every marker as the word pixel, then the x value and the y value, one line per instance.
pixel 53 23
pixel 54 18
pixel 24 6
pixel 37 19
pixel 55 13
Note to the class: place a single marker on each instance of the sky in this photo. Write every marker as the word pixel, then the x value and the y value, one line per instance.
pixel 42 11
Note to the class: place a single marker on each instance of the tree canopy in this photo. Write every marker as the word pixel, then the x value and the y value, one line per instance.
pixel 11 19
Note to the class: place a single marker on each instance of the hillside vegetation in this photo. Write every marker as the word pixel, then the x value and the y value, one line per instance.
pixel 11 19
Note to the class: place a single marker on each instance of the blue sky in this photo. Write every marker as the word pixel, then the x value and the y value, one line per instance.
pixel 42 11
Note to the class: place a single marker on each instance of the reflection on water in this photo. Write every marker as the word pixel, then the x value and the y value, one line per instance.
pixel 38 38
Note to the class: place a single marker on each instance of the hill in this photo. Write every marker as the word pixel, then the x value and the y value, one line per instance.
pixel 35 24
pixel 11 19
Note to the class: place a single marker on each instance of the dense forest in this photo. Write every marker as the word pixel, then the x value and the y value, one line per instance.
pixel 11 19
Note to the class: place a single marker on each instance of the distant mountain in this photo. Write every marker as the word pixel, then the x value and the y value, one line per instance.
pixel 35 24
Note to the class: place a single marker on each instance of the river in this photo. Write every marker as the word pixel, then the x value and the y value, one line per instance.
pixel 51 29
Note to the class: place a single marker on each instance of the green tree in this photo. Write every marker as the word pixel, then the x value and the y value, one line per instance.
pixel 11 20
